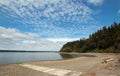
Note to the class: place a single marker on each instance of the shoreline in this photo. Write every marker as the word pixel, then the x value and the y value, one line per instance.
pixel 91 66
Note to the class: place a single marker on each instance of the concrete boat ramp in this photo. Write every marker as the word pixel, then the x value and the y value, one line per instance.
pixel 52 71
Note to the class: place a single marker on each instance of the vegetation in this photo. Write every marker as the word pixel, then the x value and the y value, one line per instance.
pixel 106 39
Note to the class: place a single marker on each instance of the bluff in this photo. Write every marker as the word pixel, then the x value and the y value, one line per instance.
pixel 105 40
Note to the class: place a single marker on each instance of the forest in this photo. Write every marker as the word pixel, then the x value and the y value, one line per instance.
pixel 105 40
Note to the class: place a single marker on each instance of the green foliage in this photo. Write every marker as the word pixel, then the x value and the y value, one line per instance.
pixel 104 40
pixel 67 50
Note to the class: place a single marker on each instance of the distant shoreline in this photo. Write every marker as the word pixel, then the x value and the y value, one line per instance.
pixel 24 51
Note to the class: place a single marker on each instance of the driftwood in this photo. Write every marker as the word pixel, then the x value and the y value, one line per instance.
pixel 106 60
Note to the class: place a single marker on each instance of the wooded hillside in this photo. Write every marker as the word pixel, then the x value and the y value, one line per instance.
pixel 106 39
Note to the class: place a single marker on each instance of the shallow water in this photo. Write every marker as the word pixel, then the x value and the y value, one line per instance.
pixel 20 57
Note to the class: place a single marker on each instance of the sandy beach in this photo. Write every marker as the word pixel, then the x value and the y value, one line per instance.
pixel 84 66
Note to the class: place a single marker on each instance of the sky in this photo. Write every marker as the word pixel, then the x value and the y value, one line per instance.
pixel 46 25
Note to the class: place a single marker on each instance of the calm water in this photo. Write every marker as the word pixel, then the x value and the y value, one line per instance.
pixel 19 57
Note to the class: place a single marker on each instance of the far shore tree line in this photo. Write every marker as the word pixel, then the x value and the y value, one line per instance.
pixel 105 40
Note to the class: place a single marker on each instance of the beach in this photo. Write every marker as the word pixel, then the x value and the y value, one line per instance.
pixel 80 66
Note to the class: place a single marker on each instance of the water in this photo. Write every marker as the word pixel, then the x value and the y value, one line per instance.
pixel 20 57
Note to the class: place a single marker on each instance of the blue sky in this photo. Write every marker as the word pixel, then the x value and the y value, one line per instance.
pixel 52 22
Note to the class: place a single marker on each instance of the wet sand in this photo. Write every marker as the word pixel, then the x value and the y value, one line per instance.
pixel 89 66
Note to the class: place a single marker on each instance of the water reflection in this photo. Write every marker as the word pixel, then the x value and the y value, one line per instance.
pixel 67 55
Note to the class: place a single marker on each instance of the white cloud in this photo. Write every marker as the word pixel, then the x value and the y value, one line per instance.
pixel 95 2
pixel 13 39
pixel 14 34
pixel 62 39
pixel 119 11
pixel 49 16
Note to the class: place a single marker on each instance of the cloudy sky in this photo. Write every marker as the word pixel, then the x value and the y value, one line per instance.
pixel 45 25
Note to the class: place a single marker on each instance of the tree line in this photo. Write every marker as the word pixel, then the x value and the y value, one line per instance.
pixel 106 39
